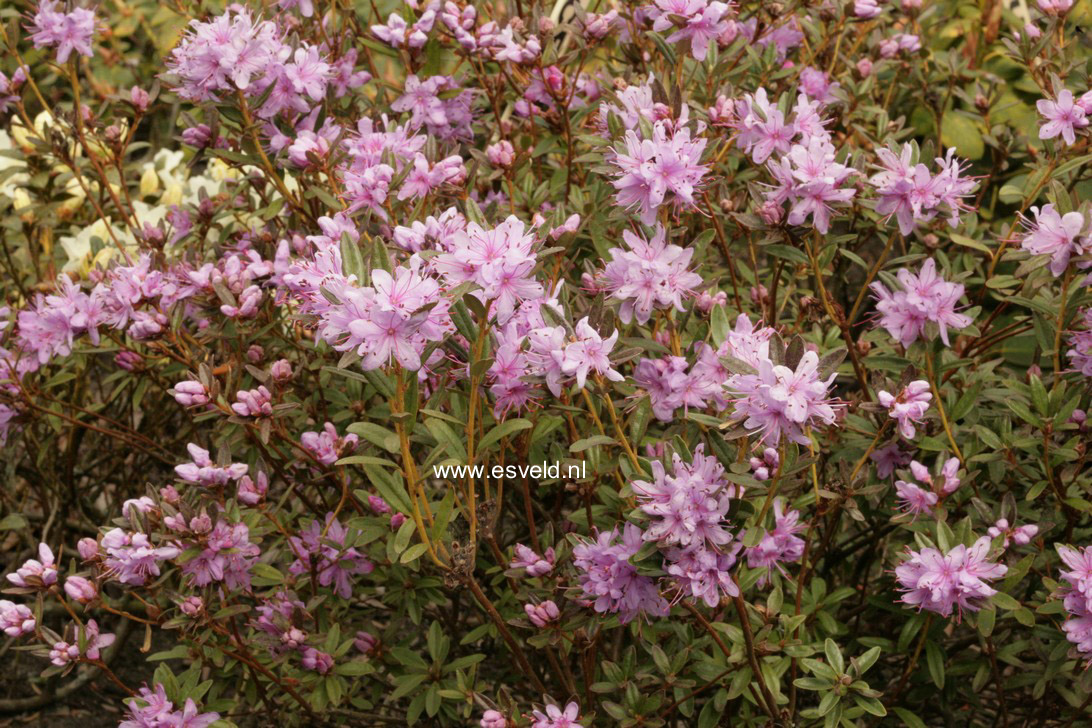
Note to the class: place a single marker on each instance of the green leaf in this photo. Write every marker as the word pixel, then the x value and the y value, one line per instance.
pixel 957 130
pixel 970 243
pixel 934 657
pixel 786 253
pixel 413 553
pixel 354 668
pixel 269 574
pixel 233 610
pixel 986 618
pixel 834 656
pixel 911 720
pixel 13 522
pixel 718 324
pixel 446 436
pixel 352 262
pixel 589 442
pixel 504 429
pixel 870 705
pixel 376 435
pixel 867 660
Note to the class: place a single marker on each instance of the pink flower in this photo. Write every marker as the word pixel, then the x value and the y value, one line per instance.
pixel 323 548
pixel 704 573
pixel 699 21
pixel 589 353
pixel 225 555
pixel 554 717
pixel 866 9
pixel 131 558
pixel 1058 236
pixel 887 458
pixel 688 506
pixel 316 660
pixel 1063 116
pixel 93 643
pixel 250 490
pixel 908 407
pixel 761 467
pixel 203 471
pixel 780 545
pixel 1081 341
pixel 651 169
pixel 913 499
pixel 609 579
pixel 88 548
pixel 1078 597
pixel 501 154
pixel 1055 7
pixel 365 642
pixel 253 403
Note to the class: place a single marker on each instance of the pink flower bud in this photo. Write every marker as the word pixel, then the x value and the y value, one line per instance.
pixel 365 642
pixel 281 370
pixel 190 393
pixel 493 719
pixel 192 606
pixel 501 154
pixel 139 98
pixel 542 614
pixel 88 548
pixel 80 589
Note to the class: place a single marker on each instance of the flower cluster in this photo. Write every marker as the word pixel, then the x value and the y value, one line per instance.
pixel 1078 597
pixel 781 401
pixel 651 169
pixel 651 274
pixel 67 31
pixel 939 582
pixel 610 582
pixel 293 310
pixel 924 298
pixel 323 547
pixel 152 709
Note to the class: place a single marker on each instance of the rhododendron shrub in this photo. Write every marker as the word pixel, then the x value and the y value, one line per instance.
pixel 567 365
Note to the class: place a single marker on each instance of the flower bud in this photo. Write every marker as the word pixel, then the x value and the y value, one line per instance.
pixel 88 548
pixel 80 589
pixel 139 98
pixel 493 719
pixel 365 642
pixel 281 370
pixel 192 606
